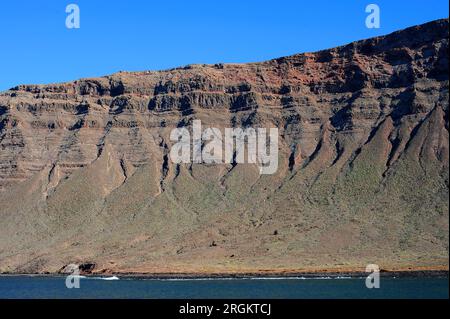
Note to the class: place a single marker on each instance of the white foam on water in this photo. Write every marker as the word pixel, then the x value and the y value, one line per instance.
pixel 100 278
pixel 110 278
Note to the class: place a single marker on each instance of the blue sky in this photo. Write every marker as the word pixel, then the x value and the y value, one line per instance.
pixel 137 35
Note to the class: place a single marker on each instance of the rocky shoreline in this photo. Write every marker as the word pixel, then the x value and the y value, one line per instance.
pixel 257 275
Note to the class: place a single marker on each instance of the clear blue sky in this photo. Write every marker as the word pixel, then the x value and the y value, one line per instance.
pixel 149 35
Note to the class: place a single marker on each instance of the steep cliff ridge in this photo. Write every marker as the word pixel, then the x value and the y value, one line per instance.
pixel 362 177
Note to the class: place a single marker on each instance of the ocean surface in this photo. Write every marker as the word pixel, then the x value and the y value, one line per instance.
pixel 276 288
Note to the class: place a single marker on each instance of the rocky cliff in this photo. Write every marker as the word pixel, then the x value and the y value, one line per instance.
pixel 85 175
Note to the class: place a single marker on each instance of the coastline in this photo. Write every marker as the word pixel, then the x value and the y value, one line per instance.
pixel 400 273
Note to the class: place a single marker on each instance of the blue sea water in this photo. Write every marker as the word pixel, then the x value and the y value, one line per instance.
pixel 12 287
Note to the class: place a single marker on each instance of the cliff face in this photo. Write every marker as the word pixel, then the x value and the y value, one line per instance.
pixel 362 175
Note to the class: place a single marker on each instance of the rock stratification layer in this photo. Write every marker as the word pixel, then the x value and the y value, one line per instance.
pixel 85 175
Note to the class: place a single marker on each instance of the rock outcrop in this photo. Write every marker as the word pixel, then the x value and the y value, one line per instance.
pixel 362 176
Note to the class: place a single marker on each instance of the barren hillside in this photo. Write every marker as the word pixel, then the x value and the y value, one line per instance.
pixel 362 178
